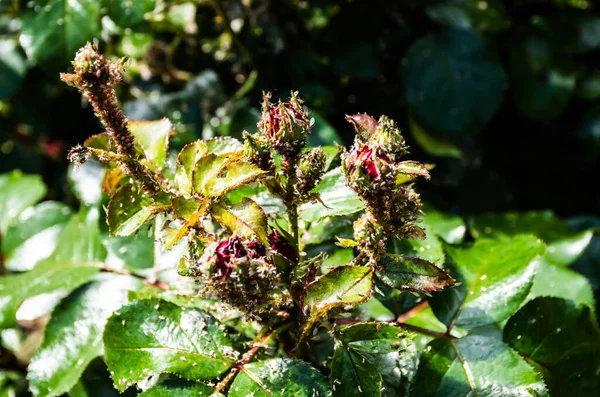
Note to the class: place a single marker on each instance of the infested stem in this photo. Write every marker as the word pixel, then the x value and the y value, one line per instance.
pixel 96 78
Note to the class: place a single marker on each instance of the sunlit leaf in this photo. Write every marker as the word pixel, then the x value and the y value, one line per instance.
pixel 279 377
pixel 152 336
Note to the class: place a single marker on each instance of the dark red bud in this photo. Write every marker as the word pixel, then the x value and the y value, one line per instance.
pixel 276 114
pixel 256 250
pixel 280 245
pixel 224 252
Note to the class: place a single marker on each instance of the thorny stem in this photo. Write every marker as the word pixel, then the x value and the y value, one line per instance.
pixel 256 346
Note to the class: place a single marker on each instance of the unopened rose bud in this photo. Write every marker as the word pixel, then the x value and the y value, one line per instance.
pixel 256 149
pixel 311 168
pixel 286 125
pixel 388 137
pixel 364 165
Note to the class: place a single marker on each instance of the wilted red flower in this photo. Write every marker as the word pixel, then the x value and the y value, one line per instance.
pixel 232 247
pixel 280 245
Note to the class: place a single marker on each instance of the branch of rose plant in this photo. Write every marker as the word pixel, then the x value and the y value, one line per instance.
pixel 150 280
pixel 260 342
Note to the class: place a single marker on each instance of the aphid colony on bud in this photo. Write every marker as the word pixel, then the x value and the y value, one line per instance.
pixel 372 168
pixel 246 274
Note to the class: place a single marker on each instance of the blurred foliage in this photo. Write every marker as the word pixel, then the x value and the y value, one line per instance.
pixel 501 95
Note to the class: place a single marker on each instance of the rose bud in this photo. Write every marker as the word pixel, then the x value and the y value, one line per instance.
pixel 224 253
pixel 311 168
pixel 286 125
pixel 388 137
pixel 366 161
pixel 280 245
pixel 256 149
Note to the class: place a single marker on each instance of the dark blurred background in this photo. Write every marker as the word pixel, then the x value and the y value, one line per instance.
pixel 503 96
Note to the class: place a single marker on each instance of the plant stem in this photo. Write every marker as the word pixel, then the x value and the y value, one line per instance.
pixel 261 342
pixel 149 281
pixel 293 219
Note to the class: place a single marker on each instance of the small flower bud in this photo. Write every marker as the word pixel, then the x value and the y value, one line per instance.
pixel 256 149
pixel 311 168
pixel 286 125
pixel 388 137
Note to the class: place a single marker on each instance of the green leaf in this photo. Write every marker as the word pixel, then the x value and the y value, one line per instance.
pixel 243 219
pixel 562 341
pixel 430 248
pixel 34 236
pixel 17 192
pixel 338 199
pixel 453 82
pixel 344 287
pixel 541 87
pixel 564 244
pixel 80 242
pixel 279 377
pixel 475 366
pixel 425 319
pixel 412 274
pixel 153 138
pixel 322 133
pixel 373 359
pixel 205 169
pixel 128 210
pixel 470 14
pixel 495 276
pixel 412 169
pixel 53 30
pixel 129 14
pixel 352 374
pixel 450 228
pixel 433 144
pixel 231 176
pixel 187 159
pixel 179 388
pixel 15 289
pixel 73 337
pixel 224 145
pixel 329 229
pixel 12 68
pixel 573 33
pixel 152 336
pixel 560 282
pixel 86 181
